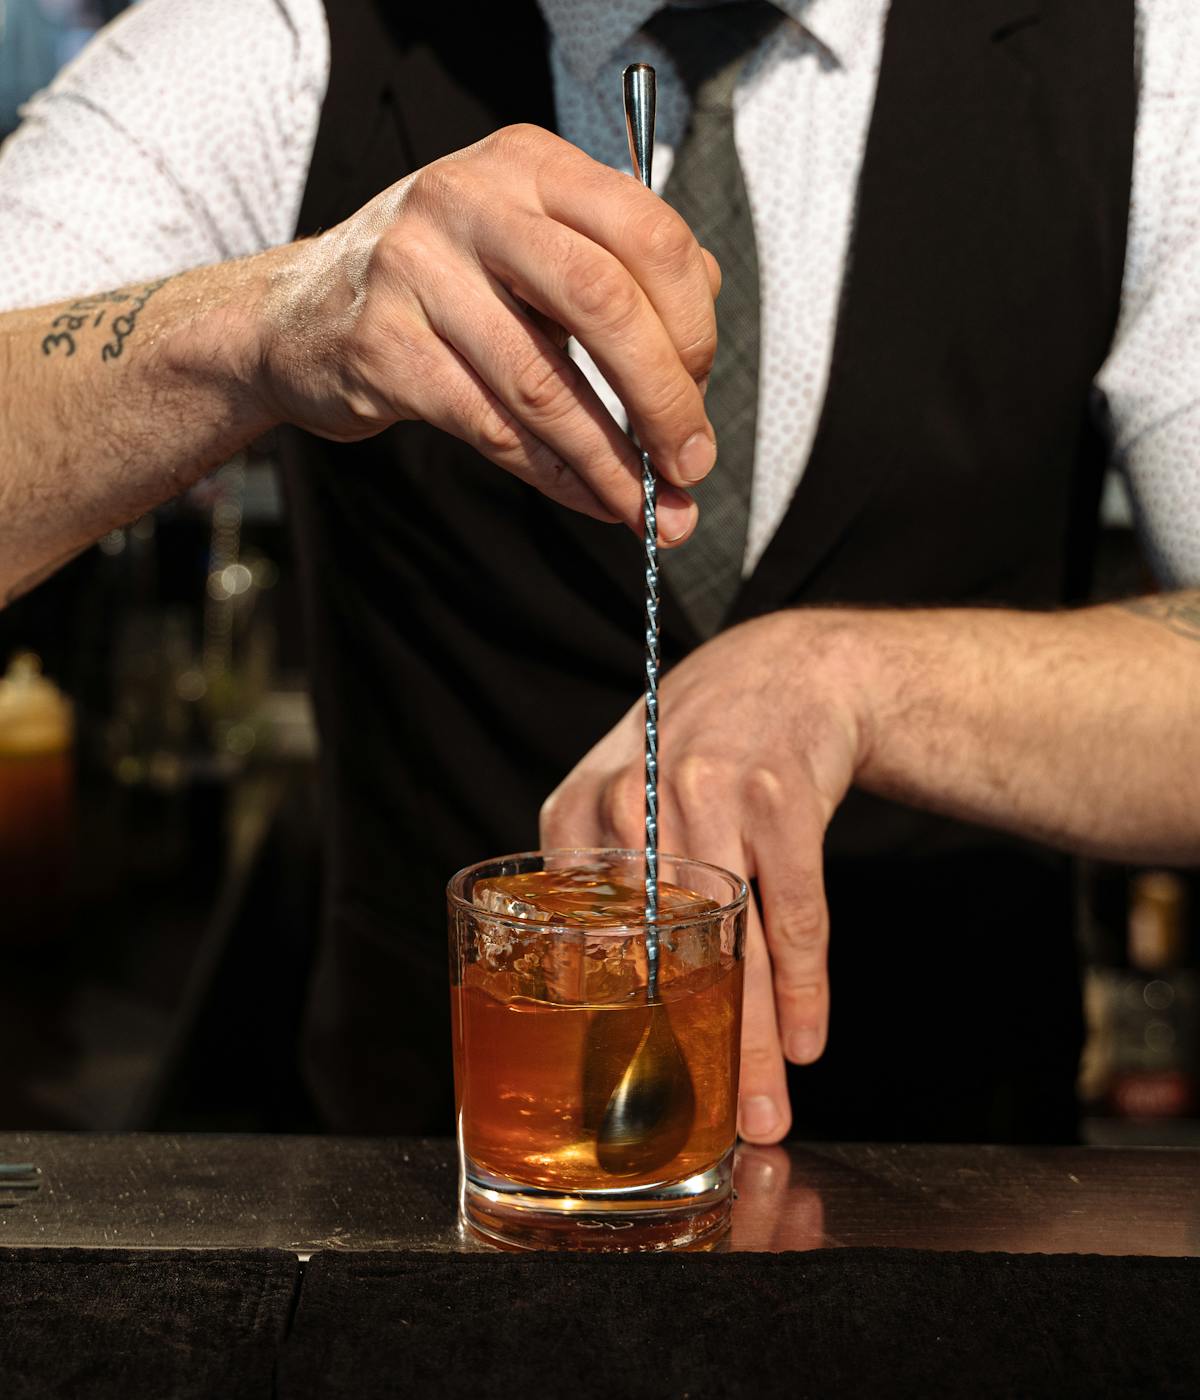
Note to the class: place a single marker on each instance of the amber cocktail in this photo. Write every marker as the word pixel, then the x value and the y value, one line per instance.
pixel 550 1011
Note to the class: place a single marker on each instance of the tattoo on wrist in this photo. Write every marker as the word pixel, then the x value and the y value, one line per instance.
pixel 1179 612
pixel 70 328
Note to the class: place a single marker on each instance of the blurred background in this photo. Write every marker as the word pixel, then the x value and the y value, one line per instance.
pixel 158 851
pixel 159 858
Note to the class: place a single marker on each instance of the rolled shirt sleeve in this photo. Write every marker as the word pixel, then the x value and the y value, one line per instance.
pixel 1151 380
pixel 180 136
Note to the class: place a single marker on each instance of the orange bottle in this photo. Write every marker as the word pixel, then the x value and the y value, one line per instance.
pixel 37 815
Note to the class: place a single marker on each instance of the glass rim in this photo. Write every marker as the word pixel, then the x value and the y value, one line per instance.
pixel 733 906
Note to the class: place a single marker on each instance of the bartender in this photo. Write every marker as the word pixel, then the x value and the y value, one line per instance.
pixel 961 253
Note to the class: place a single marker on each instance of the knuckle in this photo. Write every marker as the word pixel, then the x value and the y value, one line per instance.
pixel 549 816
pixel 540 387
pixel 764 793
pixel 622 805
pixel 600 290
pixel 516 140
pixel 713 270
pixel 799 932
pixel 439 186
pixel 667 239
pixel 803 994
pixel 693 780
pixel 676 395
pixel 760 1059
pixel 698 352
pixel 400 258
pixel 497 433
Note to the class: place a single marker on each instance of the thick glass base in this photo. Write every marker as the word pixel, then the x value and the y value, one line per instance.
pixel 692 1213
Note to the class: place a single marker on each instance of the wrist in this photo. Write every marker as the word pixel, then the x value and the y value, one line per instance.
pixel 217 340
pixel 820 665
pixel 305 309
pixel 855 669
pixel 888 677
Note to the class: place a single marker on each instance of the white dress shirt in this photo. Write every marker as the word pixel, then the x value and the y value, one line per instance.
pixel 183 135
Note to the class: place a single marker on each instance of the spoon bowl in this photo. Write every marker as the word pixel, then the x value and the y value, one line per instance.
pixel 647 1118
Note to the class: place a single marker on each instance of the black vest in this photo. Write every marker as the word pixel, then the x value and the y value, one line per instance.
pixel 470 641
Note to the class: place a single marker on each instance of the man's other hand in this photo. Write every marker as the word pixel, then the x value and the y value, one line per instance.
pixel 450 298
pixel 759 742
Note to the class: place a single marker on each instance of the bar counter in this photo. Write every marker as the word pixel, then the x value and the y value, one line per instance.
pixel 306 1268
pixel 165 1191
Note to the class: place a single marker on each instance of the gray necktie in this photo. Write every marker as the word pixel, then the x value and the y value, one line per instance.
pixel 710 46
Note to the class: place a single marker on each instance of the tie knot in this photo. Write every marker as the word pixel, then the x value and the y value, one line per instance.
pixel 711 43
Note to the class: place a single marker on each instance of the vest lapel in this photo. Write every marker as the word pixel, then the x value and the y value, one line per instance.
pixel 408 89
pixel 946 128
pixel 469 70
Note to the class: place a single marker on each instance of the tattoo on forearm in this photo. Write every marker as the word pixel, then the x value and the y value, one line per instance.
pixel 1180 612
pixel 70 328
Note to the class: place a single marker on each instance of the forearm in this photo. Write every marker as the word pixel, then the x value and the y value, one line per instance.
pixel 1076 728
pixel 444 300
pixel 115 402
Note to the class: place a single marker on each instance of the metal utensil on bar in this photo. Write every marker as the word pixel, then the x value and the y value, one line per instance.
pixel 17 1177
pixel 649 1113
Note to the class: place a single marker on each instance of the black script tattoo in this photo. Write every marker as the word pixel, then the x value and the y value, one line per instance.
pixel 1179 612
pixel 89 313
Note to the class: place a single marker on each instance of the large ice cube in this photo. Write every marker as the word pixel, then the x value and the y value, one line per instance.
pixel 596 953
pixel 581 897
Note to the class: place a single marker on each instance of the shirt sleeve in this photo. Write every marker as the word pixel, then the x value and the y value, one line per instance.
pixel 180 136
pixel 1151 379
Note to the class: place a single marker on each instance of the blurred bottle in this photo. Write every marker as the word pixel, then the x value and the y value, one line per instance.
pixel 1154 1008
pixel 36 804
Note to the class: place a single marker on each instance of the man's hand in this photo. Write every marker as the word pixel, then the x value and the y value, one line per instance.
pixel 1074 728
pixel 758 744
pixel 450 297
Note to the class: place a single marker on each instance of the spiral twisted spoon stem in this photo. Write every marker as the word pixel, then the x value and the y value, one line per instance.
pixel 639 92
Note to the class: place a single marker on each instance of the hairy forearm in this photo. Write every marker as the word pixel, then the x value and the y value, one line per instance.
pixel 1081 729
pixel 115 402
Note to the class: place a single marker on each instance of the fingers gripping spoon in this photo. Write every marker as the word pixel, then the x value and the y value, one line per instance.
pixel 648 1116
